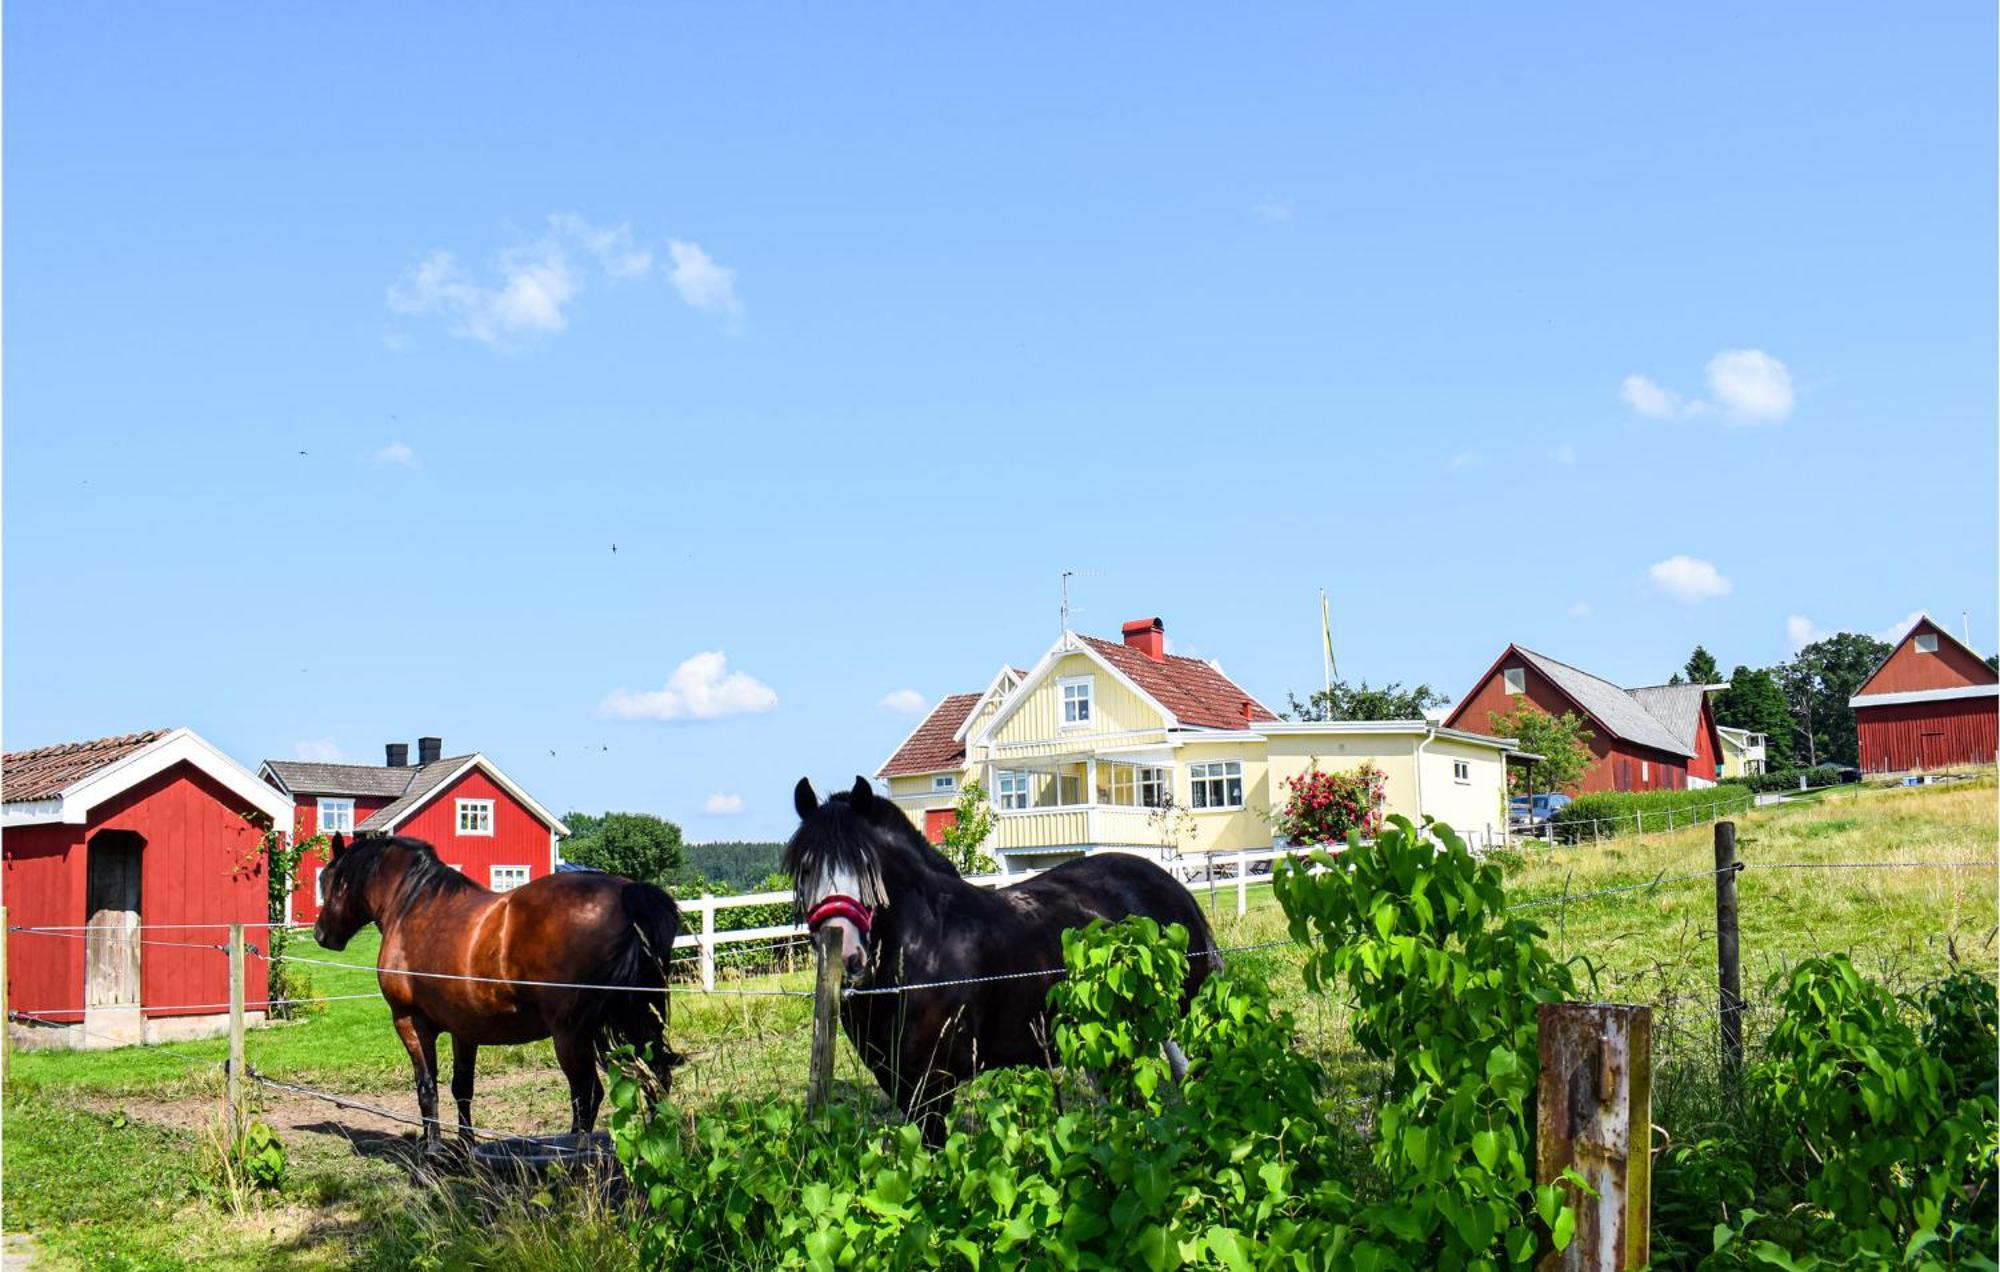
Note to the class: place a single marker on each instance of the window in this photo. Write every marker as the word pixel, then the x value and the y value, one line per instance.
pixel 336 815
pixel 1461 771
pixel 508 878
pixel 944 782
pixel 1218 784
pixel 1645 770
pixel 1515 680
pixel 475 817
pixel 1154 788
pixel 1011 789
pixel 1927 643
pixel 1076 700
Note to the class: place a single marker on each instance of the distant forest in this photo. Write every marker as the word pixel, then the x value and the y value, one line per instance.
pixel 740 865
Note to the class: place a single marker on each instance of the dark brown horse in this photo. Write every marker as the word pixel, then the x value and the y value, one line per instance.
pixel 454 954
pixel 974 956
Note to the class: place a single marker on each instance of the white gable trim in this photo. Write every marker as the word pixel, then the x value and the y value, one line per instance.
pixel 1007 673
pixel 500 779
pixel 1924 695
pixel 1041 671
pixel 72 805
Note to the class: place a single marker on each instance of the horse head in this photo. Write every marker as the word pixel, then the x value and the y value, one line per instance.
pixel 836 860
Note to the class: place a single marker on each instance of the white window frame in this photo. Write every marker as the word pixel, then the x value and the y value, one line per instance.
pixel 493 877
pixel 1012 791
pixel 330 804
pixel 1931 648
pixel 1077 711
pixel 944 782
pixel 1203 774
pixel 1461 772
pixel 1645 770
pixel 1514 679
pixel 472 806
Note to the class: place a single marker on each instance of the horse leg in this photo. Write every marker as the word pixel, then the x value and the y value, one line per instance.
pixel 464 1059
pixel 420 1039
pixel 576 1052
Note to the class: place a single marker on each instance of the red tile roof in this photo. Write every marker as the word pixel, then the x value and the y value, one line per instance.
pixel 932 748
pixel 50 770
pixel 1197 694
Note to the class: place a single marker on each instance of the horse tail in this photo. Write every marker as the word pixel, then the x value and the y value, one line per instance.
pixel 640 961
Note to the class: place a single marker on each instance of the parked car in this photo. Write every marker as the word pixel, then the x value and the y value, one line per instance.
pixel 1533 810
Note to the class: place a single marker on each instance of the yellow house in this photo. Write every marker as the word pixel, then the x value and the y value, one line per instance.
pixel 1742 752
pixel 1119 745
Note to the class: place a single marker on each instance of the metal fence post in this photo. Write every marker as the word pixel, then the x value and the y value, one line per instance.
pixel 1728 950
pixel 1594 1112
pixel 826 1017
pixel 235 1032
pixel 707 941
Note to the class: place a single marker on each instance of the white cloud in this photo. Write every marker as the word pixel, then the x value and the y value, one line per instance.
pixel 1689 580
pixel 722 804
pixel 1751 385
pixel 526 303
pixel 1901 628
pixel 318 751
pixel 1272 211
pixel 1464 459
pixel 398 453
pixel 702 688
pixel 612 246
pixel 1800 631
pixel 700 281
pixel 1564 454
pixel 1579 609
pixel 907 702
pixel 1748 386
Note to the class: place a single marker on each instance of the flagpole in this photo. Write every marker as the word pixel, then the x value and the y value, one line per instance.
pixel 1326 650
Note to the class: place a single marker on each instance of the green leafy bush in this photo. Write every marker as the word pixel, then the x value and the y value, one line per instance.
pixel 1787 779
pixel 1320 808
pixel 1607 814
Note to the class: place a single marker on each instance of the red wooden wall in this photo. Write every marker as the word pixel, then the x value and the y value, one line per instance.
pixel 518 838
pixel 1618 765
pixel 305 897
pixel 1927 735
pixel 200 864
pixel 1950 667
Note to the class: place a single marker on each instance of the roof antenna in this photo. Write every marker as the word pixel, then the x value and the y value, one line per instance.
pixel 1065 601
pixel 1965 626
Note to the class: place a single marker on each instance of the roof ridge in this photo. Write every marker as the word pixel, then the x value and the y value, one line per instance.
pixel 141 738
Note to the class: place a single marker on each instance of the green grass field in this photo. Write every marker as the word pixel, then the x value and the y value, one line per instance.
pixel 107 1161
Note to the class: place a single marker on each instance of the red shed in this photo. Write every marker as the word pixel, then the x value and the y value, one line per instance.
pixel 1930 704
pixel 126 859
pixel 482 824
pixel 1660 737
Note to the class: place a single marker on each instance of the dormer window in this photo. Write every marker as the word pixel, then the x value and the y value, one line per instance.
pixel 1927 642
pixel 1076 700
pixel 1515 679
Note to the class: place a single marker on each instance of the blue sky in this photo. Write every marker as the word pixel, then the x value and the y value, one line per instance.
pixel 342 344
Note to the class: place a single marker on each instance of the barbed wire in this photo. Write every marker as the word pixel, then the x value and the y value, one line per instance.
pixel 114 934
pixel 347 1102
pixel 878 990
pixel 546 984
pixel 1657 882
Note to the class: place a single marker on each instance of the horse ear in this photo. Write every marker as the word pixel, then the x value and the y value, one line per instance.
pixel 803 798
pixel 862 795
pixel 339 844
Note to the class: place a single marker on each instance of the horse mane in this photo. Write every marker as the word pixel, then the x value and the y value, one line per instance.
pixel 427 877
pixel 867 843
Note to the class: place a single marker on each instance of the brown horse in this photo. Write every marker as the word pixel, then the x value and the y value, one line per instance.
pixel 454 957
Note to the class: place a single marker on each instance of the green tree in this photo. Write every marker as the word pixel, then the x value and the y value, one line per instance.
pixel 1817 683
pixel 636 845
pixel 972 822
pixel 1562 741
pixel 1365 702
pixel 1701 668
pixel 1754 701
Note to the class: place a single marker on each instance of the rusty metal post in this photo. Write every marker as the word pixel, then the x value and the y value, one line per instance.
pixel 826 1017
pixel 1728 950
pixel 1594 1112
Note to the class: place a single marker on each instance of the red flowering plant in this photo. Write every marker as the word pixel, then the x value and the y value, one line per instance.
pixel 1320 808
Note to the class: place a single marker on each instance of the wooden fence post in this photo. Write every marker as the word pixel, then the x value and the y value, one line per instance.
pixel 1728 951
pixel 826 1017
pixel 235 1032
pixel 1243 882
pixel 6 1021
pixel 707 942
pixel 1594 1112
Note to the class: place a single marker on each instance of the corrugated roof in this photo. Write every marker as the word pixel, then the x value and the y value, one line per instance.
pixel 424 778
pixel 931 748
pixel 1612 706
pixel 374 781
pixel 1198 695
pixel 45 771
pixel 1678 707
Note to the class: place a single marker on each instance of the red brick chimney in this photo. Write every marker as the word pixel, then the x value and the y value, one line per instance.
pixel 1249 711
pixel 1148 636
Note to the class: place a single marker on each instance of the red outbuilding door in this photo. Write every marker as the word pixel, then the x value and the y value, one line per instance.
pixel 937 821
pixel 111 959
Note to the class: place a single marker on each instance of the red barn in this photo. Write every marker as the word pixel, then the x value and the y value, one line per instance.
pixel 1661 737
pixel 1930 704
pixel 481 823
pixel 129 857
